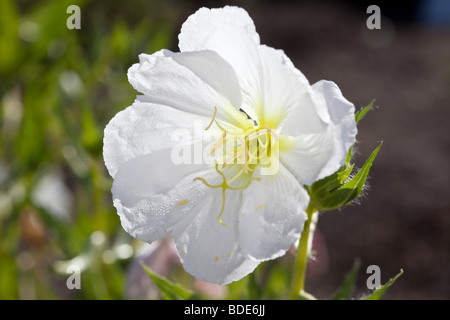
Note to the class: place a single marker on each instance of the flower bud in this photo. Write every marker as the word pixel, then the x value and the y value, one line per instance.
pixel 339 189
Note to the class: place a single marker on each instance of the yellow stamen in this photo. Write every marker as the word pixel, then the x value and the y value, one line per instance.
pixel 244 186
pixel 206 183
pixel 224 185
pixel 255 135
pixel 264 145
pixel 236 176
pixel 228 161
pixel 222 209
pixel 220 127
pixel 244 144
pixel 212 120
pixel 218 143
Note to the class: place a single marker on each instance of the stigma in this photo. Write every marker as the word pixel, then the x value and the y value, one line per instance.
pixel 246 148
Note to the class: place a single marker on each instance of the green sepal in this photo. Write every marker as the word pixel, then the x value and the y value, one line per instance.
pixel 358 116
pixel 338 190
pixel 379 293
pixel 357 182
pixel 168 289
pixel 361 113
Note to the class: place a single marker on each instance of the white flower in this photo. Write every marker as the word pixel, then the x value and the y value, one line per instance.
pixel 225 219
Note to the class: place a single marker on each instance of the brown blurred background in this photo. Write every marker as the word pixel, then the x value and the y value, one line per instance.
pixel 404 219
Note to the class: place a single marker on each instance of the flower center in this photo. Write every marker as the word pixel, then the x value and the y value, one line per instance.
pixel 224 185
pixel 248 148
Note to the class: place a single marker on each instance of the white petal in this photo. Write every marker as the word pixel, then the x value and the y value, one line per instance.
pixel 284 90
pixel 194 82
pixel 271 86
pixel 307 155
pixel 145 128
pixel 272 215
pixel 342 123
pixel 151 193
pixel 153 197
pixel 317 155
pixel 198 29
pixel 209 250
pixel 213 70
pixel 231 33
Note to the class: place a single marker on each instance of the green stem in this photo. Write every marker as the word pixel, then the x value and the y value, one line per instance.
pixel 301 259
pixel 254 290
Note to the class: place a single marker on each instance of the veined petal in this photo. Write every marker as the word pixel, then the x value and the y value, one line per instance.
pixel 306 155
pixel 231 33
pixel 151 193
pixel 304 117
pixel 342 123
pixel 209 250
pixel 272 215
pixel 213 70
pixel 284 92
pixel 271 86
pixel 144 128
pixel 310 157
pixel 153 196
pixel 194 82
pixel 196 31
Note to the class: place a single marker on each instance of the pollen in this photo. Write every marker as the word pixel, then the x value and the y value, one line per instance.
pixel 260 206
pixel 183 202
pixel 216 259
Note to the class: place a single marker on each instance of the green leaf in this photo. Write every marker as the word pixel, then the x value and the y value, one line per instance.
pixel 9 39
pixel 378 293
pixel 348 285
pixel 361 113
pixel 90 135
pixel 168 289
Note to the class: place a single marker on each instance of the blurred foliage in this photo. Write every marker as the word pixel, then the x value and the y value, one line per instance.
pixel 58 90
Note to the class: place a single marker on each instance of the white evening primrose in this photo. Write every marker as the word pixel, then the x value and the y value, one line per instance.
pixel 275 131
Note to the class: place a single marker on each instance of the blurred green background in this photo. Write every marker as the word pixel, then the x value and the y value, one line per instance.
pixel 60 87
